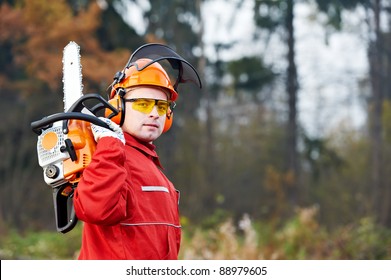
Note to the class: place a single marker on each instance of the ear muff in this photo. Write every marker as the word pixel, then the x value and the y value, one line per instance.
pixel 169 119
pixel 118 103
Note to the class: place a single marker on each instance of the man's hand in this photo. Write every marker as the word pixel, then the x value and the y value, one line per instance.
pixel 100 132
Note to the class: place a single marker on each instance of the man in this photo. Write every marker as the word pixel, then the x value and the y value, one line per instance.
pixel 129 207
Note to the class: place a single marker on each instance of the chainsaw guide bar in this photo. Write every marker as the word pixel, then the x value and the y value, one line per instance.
pixel 72 75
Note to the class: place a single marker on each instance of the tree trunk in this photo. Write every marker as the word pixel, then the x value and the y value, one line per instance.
pixel 206 192
pixel 387 94
pixel 376 129
pixel 292 88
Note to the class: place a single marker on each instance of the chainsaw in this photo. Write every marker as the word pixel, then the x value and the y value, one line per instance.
pixel 65 141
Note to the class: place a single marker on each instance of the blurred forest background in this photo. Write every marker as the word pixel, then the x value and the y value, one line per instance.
pixel 254 182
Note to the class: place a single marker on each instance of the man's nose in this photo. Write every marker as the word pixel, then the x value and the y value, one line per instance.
pixel 154 112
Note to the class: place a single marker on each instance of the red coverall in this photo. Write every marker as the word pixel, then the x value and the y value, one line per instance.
pixel 129 207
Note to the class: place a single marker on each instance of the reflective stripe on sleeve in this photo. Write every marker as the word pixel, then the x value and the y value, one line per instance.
pixel 154 189
pixel 151 224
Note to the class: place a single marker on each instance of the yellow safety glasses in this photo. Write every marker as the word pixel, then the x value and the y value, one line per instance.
pixel 145 105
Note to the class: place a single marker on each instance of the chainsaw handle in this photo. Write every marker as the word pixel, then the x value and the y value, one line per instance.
pixel 37 126
pixel 102 103
pixel 64 210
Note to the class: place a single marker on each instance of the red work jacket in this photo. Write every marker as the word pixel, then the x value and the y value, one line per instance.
pixel 129 207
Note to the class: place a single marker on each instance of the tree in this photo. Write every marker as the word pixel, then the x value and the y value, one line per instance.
pixel 31 42
pixel 379 58
pixel 292 90
pixel 274 15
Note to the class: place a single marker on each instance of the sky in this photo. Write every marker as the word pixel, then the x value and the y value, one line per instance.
pixel 328 73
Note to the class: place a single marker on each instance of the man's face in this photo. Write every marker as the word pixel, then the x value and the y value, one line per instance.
pixel 145 126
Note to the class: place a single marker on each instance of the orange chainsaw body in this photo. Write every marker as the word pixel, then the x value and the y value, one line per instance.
pixel 79 132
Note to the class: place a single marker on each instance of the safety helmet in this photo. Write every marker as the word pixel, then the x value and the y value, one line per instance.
pixel 143 69
pixel 145 72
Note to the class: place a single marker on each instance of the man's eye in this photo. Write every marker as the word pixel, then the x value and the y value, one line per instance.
pixel 142 104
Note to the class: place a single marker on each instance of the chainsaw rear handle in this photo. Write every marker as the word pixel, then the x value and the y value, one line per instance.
pixel 38 126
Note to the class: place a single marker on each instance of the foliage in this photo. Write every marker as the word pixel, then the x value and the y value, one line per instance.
pixel 41 245
pixel 250 73
pixel 301 237
pixel 337 179
pixel 334 9
pixel 269 14
pixel 225 154
pixel 34 34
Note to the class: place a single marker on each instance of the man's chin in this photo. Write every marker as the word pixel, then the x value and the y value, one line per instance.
pixel 150 137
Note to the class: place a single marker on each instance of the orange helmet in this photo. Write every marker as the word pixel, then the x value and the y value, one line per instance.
pixel 145 72
pixel 143 69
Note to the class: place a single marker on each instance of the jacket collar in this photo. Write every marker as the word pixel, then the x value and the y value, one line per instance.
pixel 146 148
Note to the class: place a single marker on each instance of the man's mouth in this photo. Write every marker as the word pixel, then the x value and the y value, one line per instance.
pixel 151 125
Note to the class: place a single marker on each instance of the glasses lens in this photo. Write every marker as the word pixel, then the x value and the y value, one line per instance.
pixel 162 107
pixel 143 105
pixel 146 105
